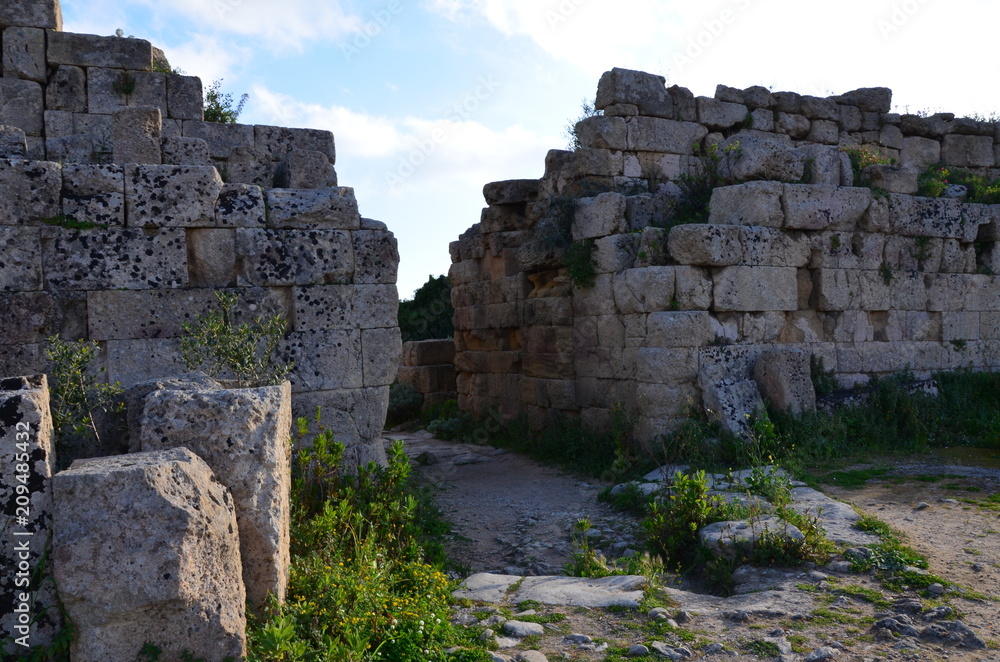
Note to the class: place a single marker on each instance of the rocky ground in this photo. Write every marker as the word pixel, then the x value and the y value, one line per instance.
pixel 514 518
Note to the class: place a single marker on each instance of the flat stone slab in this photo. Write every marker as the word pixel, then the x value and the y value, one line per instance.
pixel 486 587
pixel 618 591
pixel 836 518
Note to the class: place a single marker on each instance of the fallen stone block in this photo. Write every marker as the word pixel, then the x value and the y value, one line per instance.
pixel 616 591
pixel 145 549
pixel 784 378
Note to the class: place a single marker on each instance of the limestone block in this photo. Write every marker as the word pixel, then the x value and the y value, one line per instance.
pixel 655 134
pixel 920 153
pixel 276 141
pixel 750 289
pixel 825 132
pixel 588 162
pixel 429 379
pixel 949 292
pixel 222 139
pixel 968 151
pixel 358 416
pixel 934 217
pixel 324 307
pixel 113 258
pixel 85 50
pixel 381 351
pixel 663 365
pixel 693 288
pixel 32 14
pixel 172 196
pixel 616 253
pixel 30 191
pixel 762 156
pixel 375 306
pixel 868 99
pixel 325 359
pixel 32 317
pixel 181 151
pixel 783 377
pixel 27 449
pixel 706 245
pixel 836 290
pixel 602 132
pixel 732 402
pixel 376 257
pixel 21 261
pixel 22 105
pixel 599 217
pixel 809 207
pixel 12 142
pixel 770 247
pixel 275 258
pixel 109 90
pixel 302 169
pixel 428 352
pixel 105 209
pixel 240 206
pixel 24 53
pixel 136 135
pixel 173 578
pixel 211 257
pixel 989 326
pixel 753 203
pixel 330 208
pixel 822 164
pixel 817 108
pixel 894 179
pixel 242 434
pixel 135 399
pixel 184 98
pixel 85 180
pixel 891 137
pixel 761 327
pixel 597 300
pixel 720 115
pixel 851 118
pixel 794 126
pixel 679 329
pixel 647 92
pixel 960 326
pixel 958 258
pixel 510 192
pixel 762 120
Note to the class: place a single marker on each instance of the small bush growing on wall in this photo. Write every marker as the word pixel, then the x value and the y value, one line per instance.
pixel 934 181
pixel 580 263
pixel 220 107
pixel 427 316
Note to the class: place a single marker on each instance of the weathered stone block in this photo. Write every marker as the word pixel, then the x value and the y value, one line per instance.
pixel 770 247
pixel 794 126
pixel 809 207
pixel 276 141
pixel 184 98
pixel 604 132
pixel 823 164
pixel 381 350
pixel 376 256
pixel 135 399
pixel 935 217
pixel 893 179
pixel 222 139
pixel 303 169
pixel 211 257
pixel 647 92
pixel 22 105
pixel 86 50
pixel 110 90
pixel 616 253
pixel 173 578
pixel 30 191
pixel 274 258
pixel 331 208
pixel 755 289
pixel 706 245
pixel 33 317
pixel 720 115
pixel 242 434
pixel 358 416
pixel 177 150
pixel 920 153
pixel 824 132
pixel 241 206
pixel 114 258
pixel 100 209
pixel 375 306
pixel 510 192
pixel 588 162
pixel 654 134
pixel 32 14
pixel 172 196
pixel 12 142
pixel 661 365
pixel 27 448
pixel 783 377
pixel 761 156
pixel 679 329
pixel 24 53
pixel 325 359
pixel 136 135
pixel 693 288
pixel 968 151
pixel 599 217
pixel 20 259
pixel 753 203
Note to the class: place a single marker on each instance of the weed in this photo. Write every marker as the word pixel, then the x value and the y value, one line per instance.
pixel 762 648
pixel 70 223
pixel 587 110
pixel 861 157
pixel 404 404
pixel 219 107
pixel 580 264
pixel 124 85
pixel 885 273
pixel 934 181
pixel 713 169
pixel 823 380
pixel 244 352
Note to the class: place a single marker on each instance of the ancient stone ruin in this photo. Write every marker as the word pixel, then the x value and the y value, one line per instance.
pixel 796 260
pixel 122 215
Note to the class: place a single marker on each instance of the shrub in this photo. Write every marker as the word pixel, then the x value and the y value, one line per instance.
pixel 404 404
pixel 244 352
pixel 580 265
pixel 587 110
pixel 428 314
pixel 220 107
pixel 934 181
pixel 713 170
pixel 861 157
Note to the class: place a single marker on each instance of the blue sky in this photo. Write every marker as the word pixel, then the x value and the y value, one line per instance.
pixel 431 99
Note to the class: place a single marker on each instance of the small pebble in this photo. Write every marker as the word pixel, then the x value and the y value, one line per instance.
pixel 578 639
pixel 977 567
pixel 935 589
pixel 659 613
pixel 683 617
pixel 923 505
pixel 950 502
pixel 637 650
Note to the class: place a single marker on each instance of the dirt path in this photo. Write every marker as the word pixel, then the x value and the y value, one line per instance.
pixel 514 516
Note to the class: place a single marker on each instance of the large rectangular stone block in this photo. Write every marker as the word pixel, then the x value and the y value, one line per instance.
pixel 811 207
pixel 968 151
pixel 20 259
pixel 172 196
pixel 599 216
pixel 755 289
pixel 222 139
pixel 692 289
pixel 241 206
pixel 753 203
pixel 137 135
pixel 656 365
pixel 134 361
pixel 679 329
pixel 329 208
pixel 33 317
pixel 22 105
pixel 27 450
pixel 770 247
pixel 720 115
pixel 936 217
pixel 358 416
pixel 655 134
pixel 31 191
pixel 706 245
pixel 375 306
pixel 184 98
pixel 24 53
pixel 273 258
pixel 276 141
pixel 616 253
pixel 381 351
pixel 113 258
pixel 66 91
pixel 603 133
pixel 109 90
pixel 647 92
pixel 31 13
pixel 325 359
pixel 87 50
pixel 376 256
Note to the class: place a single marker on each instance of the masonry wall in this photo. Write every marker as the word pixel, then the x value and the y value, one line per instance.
pixel 122 212
pixel 870 281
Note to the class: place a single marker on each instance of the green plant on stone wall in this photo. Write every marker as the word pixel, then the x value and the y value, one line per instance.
pixel 934 181
pixel 579 262
pixel 861 157
pixel 713 169
pixel 124 84
pixel 587 110
pixel 245 352
pixel 220 107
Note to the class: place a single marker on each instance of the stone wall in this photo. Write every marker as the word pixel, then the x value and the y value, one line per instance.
pixel 870 279
pixel 122 212
pixel 429 367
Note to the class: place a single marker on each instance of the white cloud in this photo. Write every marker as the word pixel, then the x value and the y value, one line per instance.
pixel 207 57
